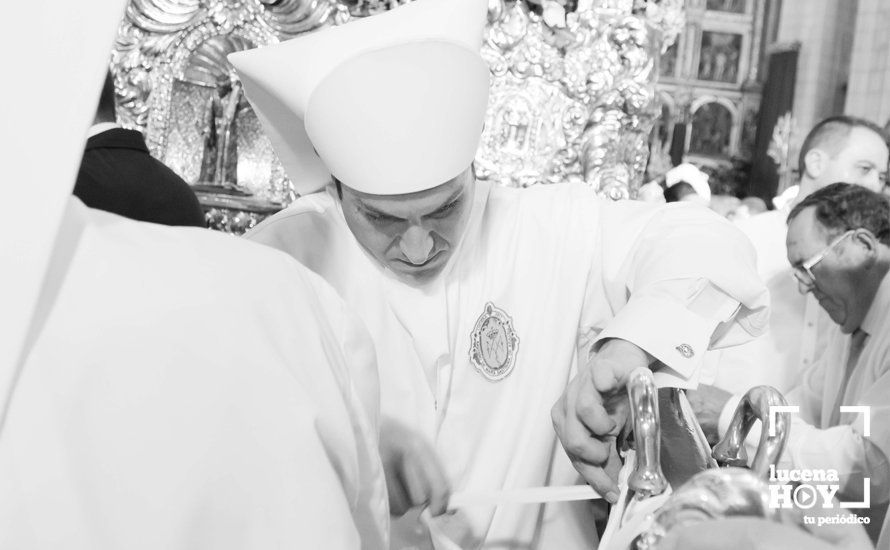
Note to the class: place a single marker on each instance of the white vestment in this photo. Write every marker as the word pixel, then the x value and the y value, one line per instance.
pixel 185 389
pixel 564 268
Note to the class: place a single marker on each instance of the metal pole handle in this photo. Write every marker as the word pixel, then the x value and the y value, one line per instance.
pixel 755 405
pixel 647 479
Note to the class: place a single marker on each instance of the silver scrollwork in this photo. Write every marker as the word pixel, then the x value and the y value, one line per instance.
pixel 175 84
pixel 572 95
pixel 572 99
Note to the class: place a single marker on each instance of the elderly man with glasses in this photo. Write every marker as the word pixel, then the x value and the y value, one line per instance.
pixel 838 245
pixel 840 148
pixel 804 272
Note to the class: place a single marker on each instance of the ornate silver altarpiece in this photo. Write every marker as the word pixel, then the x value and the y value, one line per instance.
pixel 573 95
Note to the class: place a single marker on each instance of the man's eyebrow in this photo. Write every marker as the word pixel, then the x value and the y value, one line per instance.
pixel 368 209
pixel 371 210
pixel 458 193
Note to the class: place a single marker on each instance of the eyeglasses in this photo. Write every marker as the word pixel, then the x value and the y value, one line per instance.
pixel 804 272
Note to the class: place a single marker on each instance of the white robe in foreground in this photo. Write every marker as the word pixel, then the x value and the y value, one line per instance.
pixel 189 390
pixel 565 268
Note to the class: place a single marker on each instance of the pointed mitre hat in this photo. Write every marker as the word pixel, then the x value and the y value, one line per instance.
pixel 389 104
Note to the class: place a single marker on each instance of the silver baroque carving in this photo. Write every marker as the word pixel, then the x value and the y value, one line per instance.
pixel 156 36
pixel 175 84
pixel 572 100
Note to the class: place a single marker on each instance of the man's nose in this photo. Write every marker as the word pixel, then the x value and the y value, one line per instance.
pixel 805 288
pixel 416 244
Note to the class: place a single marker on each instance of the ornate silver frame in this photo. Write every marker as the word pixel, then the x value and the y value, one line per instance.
pixel 573 98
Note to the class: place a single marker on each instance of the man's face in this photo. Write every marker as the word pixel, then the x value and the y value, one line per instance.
pixel 414 235
pixel 862 161
pixel 839 284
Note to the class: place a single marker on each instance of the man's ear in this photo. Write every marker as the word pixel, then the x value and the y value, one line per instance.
pixel 869 242
pixel 814 163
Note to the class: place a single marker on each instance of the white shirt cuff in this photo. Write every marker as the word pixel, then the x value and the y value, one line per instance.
pixel 668 331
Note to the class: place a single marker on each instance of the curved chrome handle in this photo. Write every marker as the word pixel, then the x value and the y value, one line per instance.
pixel 647 479
pixel 755 405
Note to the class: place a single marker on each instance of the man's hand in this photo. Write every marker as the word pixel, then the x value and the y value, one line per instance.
pixel 707 403
pixel 594 410
pixel 414 475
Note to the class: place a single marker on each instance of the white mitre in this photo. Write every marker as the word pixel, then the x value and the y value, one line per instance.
pixel 392 103
pixel 691 175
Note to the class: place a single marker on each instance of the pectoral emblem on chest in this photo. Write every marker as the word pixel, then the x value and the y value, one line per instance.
pixel 494 343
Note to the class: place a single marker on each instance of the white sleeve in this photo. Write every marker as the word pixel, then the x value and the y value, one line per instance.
pixel 360 372
pixel 690 283
pixel 844 449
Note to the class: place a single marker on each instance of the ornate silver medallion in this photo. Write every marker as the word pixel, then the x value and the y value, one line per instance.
pixel 494 343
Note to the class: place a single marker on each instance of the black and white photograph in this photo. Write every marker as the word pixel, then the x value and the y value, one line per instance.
pixel 445 275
